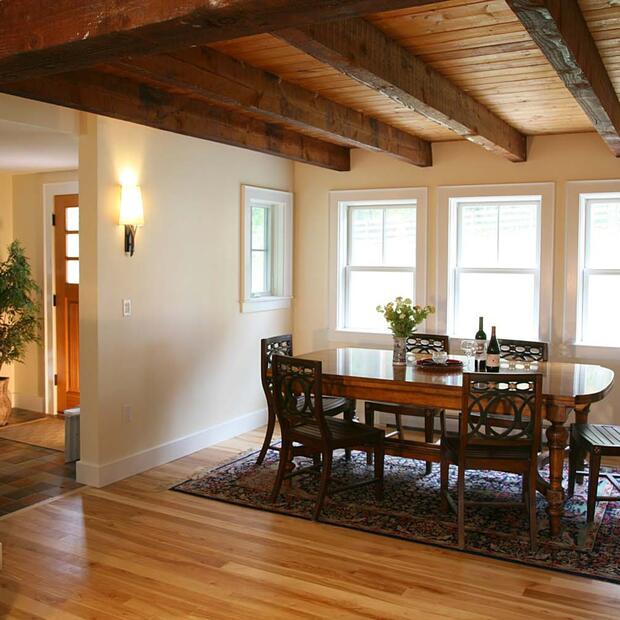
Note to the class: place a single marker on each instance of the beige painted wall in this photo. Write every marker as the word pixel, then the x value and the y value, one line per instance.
pixel 28 222
pixel 6 236
pixel 187 359
pixel 550 158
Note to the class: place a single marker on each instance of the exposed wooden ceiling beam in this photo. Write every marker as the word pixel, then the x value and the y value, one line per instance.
pixel 222 79
pixel 561 32
pixel 39 37
pixel 366 54
pixel 128 100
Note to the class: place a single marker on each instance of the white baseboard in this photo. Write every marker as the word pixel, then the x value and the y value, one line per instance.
pixel 29 402
pixel 101 475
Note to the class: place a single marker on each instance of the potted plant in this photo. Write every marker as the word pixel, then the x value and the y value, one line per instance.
pixel 19 316
pixel 403 318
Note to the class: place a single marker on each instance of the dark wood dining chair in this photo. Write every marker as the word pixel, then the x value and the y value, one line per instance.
pixel 523 350
pixel 515 400
pixel 332 405
pixel 416 343
pixel 596 441
pixel 298 403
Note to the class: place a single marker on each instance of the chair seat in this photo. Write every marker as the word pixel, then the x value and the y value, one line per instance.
pixel 384 407
pixel 604 437
pixel 341 431
pixel 451 442
pixel 330 403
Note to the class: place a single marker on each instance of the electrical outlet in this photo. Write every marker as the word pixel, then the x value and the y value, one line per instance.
pixel 126 307
pixel 127 414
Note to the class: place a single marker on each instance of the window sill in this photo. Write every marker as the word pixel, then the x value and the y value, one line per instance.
pixel 263 304
pixel 582 350
pixel 360 338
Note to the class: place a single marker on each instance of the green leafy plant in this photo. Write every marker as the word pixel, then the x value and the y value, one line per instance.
pixel 403 316
pixel 19 306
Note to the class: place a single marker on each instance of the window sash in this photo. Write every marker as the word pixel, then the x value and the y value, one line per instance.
pixel 267 250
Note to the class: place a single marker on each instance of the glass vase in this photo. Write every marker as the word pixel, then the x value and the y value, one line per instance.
pixel 400 351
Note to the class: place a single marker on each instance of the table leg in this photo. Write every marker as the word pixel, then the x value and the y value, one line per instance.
pixel 557 436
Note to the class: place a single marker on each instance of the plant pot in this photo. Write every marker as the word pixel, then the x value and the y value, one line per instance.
pixel 5 401
pixel 400 351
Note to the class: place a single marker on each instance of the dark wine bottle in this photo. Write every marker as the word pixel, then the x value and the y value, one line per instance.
pixel 481 344
pixel 493 353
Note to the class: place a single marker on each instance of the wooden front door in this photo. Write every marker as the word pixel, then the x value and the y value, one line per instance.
pixel 67 258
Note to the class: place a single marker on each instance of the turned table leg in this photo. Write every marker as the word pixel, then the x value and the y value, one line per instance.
pixel 557 437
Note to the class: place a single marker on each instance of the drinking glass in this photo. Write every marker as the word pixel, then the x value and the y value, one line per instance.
pixel 468 347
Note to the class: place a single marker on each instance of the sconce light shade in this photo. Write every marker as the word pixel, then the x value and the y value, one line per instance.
pixel 132 210
pixel 131 215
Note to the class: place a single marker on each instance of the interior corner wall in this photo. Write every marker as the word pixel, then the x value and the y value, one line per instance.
pixel 183 371
pixel 6 237
pixel 555 158
pixel 28 222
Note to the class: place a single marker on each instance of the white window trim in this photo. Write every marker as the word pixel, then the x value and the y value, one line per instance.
pixel 338 202
pixel 282 257
pixel 573 254
pixel 445 245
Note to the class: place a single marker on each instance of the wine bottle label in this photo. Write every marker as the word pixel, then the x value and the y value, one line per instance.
pixel 492 360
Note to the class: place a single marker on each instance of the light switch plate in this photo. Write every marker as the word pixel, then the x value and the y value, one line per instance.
pixel 126 307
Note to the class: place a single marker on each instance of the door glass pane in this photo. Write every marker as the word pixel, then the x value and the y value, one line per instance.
pixel 518 235
pixel 504 300
pixel 478 235
pixel 72 219
pixel 366 236
pixel 399 235
pixel 368 289
pixel 73 245
pixel 73 272
pixel 603 235
pixel 600 312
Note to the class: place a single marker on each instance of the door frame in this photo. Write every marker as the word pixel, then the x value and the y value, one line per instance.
pixel 50 191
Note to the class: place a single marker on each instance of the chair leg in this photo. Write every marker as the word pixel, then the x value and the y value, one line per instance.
pixel 369 420
pixel 461 507
pixel 399 425
pixel 284 457
pixel 531 490
pixel 349 414
pixel 271 423
pixel 325 476
pixel 595 468
pixel 429 435
pixel 524 494
pixel 573 463
pixel 379 468
pixel 444 474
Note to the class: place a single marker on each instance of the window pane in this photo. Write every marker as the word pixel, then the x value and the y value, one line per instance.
pixel 73 245
pixel 505 300
pixel 600 312
pixel 260 283
pixel 73 272
pixel 399 250
pixel 368 289
pixel 260 223
pixel 478 235
pixel 366 230
pixel 518 235
pixel 603 249
pixel 72 219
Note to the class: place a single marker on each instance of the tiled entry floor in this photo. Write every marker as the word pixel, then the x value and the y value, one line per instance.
pixel 29 474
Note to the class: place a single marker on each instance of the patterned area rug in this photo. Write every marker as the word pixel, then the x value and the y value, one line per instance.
pixel 411 511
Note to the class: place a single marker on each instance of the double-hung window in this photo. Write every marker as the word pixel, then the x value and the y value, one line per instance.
pixel 498 246
pixel 598 264
pixel 267 249
pixel 377 241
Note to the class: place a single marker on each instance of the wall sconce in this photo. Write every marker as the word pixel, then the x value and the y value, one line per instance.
pixel 131 215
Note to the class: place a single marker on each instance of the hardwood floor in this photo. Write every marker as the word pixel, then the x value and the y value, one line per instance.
pixel 137 550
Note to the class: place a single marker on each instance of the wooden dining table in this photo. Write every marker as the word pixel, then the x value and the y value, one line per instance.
pixel 368 374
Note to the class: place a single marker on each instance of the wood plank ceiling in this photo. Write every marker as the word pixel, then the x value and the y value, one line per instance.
pixel 314 79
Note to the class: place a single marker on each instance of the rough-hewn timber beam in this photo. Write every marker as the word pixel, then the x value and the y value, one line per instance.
pixel 39 37
pixel 561 32
pixel 131 101
pixel 366 54
pixel 222 79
